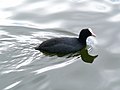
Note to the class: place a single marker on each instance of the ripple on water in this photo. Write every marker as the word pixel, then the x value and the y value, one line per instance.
pixel 25 23
pixel 95 6
pixel 113 1
pixel 115 18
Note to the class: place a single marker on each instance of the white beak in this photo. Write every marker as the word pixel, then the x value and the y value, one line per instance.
pixel 93 34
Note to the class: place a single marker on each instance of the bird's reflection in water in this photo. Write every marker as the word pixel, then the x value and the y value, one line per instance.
pixel 83 54
pixel 86 57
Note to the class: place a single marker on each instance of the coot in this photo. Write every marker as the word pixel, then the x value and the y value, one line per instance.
pixel 65 45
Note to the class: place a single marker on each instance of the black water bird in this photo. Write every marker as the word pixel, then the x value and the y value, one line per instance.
pixel 65 45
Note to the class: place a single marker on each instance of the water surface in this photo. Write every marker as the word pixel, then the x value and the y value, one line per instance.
pixel 26 23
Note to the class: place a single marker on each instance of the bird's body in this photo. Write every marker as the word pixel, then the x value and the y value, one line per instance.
pixel 65 45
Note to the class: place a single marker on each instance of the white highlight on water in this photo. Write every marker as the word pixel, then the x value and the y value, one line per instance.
pixel 12 85
pixel 56 66
pixel 91 41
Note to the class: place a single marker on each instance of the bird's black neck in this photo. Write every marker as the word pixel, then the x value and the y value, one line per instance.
pixel 82 40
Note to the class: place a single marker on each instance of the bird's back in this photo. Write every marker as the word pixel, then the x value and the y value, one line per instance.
pixel 61 45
